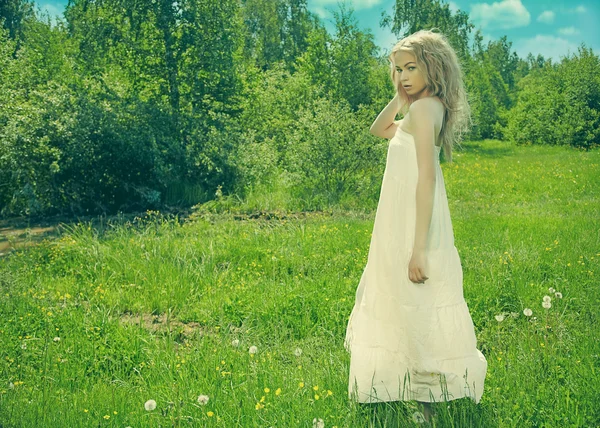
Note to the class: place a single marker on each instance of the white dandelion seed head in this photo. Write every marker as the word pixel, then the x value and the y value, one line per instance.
pixel 56 339
pixel 235 343
pixel 150 405
pixel 253 349
pixel 558 295
pixel 318 423
pixel 11 385
pixel 203 399
pixel 418 417
pixel 547 299
pixel 527 312
pixel 499 317
pixel 297 352
pixel 546 305
pixel 551 290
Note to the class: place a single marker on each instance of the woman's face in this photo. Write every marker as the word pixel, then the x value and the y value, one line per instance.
pixel 409 75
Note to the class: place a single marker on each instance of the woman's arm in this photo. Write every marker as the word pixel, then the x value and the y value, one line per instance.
pixel 384 126
pixel 422 123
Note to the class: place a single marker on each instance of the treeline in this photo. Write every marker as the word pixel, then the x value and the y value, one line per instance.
pixel 139 105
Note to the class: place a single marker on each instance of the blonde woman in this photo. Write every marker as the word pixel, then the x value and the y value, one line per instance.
pixel 410 334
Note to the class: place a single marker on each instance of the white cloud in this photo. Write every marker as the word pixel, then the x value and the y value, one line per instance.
pixel 580 9
pixel 547 17
pixel 568 31
pixel 503 15
pixel 356 4
pixel 548 46
pixel 320 11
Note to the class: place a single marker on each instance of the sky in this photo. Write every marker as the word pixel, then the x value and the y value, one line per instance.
pixel 552 28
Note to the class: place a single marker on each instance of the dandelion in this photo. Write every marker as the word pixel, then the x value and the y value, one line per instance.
pixel 253 349
pixel 297 352
pixel 317 396
pixel 546 305
pixel 301 385
pixel 107 417
pixel 527 312
pixel 203 399
pixel 558 295
pixel 551 290
pixel 547 298
pixel 235 343
pixel 418 417
pixel 150 405
pixel 11 385
pixel 318 423
pixel 210 414
pixel 267 390
pixel 278 391
pixel 56 339
pixel 514 314
pixel 500 317
pixel 316 387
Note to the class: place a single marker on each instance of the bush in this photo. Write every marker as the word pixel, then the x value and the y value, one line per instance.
pixel 331 152
pixel 559 104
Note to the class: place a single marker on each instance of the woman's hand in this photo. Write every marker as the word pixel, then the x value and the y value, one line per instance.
pixel 417 267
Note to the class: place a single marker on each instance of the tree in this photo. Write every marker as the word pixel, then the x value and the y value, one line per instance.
pixel 411 16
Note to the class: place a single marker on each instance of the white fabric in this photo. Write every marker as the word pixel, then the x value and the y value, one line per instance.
pixel 411 341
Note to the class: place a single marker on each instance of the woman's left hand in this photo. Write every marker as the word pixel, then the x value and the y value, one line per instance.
pixel 417 267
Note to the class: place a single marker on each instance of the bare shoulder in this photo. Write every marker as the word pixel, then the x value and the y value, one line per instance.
pixel 431 106
pixel 428 107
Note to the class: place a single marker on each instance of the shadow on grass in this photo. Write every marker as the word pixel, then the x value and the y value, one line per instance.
pixel 489 149
pixel 462 412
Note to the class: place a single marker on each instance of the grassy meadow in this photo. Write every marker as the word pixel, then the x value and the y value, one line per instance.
pixel 107 316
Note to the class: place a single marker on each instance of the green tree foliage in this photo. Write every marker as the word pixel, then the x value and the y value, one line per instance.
pixel 352 60
pixel 136 104
pixel 559 104
pixel 331 153
pixel 411 16
pixel 490 78
pixel 14 16
pixel 276 30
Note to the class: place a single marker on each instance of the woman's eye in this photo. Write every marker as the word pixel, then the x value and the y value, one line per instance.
pixel 400 71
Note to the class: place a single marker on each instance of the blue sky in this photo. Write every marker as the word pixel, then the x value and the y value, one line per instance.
pixel 553 28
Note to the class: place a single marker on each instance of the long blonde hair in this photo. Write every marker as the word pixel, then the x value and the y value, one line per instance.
pixel 443 78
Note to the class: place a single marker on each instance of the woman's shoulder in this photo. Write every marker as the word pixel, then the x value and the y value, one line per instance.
pixel 426 107
pixel 430 106
pixel 427 102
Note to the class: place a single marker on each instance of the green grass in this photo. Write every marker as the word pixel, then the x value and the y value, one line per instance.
pixel 148 309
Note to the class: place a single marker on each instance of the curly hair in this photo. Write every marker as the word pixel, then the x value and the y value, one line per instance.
pixel 443 75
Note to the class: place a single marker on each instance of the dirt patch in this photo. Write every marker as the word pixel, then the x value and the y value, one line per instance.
pixel 12 238
pixel 158 324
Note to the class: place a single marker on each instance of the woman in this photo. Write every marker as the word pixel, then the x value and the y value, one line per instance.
pixel 410 334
